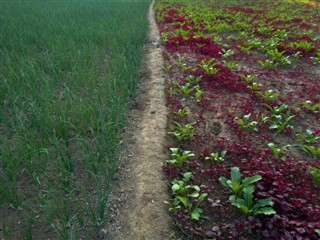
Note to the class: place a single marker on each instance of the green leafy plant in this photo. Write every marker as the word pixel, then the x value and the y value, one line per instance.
pixel 316 58
pixel 268 64
pixel 184 193
pixel 280 122
pixel 231 65
pixel 269 95
pixel 254 86
pixel 198 93
pixel 227 53
pixel 183 133
pixel 315 151
pixel 217 157
pixel 317 231
pixel 248 78
pixel 308 137
pixel 186 89
pixel 245 49
pixel 313 107
pixel 245 123
pixel 208 66
pixel 242 197
pixel 278 152
pixel 315 172
pixel 182 112
pixel 276 110
pixel 193 80
pixel 178 157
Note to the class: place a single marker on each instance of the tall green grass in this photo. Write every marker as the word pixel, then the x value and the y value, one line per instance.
pixel 68 71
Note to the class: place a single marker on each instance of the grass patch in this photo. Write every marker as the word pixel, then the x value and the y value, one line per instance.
pixel 68 72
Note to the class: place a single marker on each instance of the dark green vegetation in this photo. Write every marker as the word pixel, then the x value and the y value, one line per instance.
pixel 68 72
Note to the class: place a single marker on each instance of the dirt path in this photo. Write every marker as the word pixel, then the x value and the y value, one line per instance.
pixel 138 211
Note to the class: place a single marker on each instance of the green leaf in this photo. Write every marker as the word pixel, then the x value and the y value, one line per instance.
pixel 175 187
pixel 264 202
pixel 196 213
pixel 223 181
pixel 184 201
pixel 317 231
pixel 194 194
pixel 265 211
pixel 235 175
pixel 250 180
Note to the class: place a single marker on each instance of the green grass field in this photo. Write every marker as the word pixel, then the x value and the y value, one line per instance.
pixel 68 72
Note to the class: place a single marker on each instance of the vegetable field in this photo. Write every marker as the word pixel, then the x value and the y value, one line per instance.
pixel 243 87
pixel 68 73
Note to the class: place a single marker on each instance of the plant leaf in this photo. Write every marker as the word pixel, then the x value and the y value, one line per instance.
pixel 235 175
pixel 250 180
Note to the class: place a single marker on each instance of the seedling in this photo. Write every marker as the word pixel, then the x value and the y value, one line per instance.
pixel 316 58
pixel 217 157
pixel 315 172
pixel 315 151
pixel 245 123
pixel 182 112
pixel 248 78
pixel 244 49
pixel 254 86
pixel 312 107
pixel 186 89
pixel 183 192
pixel 183 133
pixel 198 93
pixel 208 66
pixel 269 95
pixel 281 121
pixel 227 53
pixel 268 64
pixel 278 152
pixel 179 158
pixel 308 137
pixel 242 197
pixel 231 65
pixel 193 80
pixel 276 110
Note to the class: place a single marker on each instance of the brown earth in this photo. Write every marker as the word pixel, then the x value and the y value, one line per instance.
pixel 140 187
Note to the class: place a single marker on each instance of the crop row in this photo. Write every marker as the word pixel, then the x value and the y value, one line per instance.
pixel 243 89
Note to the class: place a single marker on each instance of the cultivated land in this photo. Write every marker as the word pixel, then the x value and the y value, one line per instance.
pixel 244 95
pixel 68 73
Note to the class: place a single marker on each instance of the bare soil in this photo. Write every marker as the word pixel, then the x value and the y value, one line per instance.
pixel 140 187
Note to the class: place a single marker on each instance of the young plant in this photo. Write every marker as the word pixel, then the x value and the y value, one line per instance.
pixel 281 121
pixel 278 152
pixel 268 95
pixel 231 65
pixel 184 193
pixel 312 107
pixel 217 157
pixel 193 80
pixel 254 86
pixel 245 123
pixel 248 78
pixel 242 197
pixel 268 64
pixel 198 93
pixel 183 133
pixel 315 172
pixel 227 53
pixel 179 158
pixel 308 137
pixel 276 110
pixel 315 151
pixel 186 89
pixel 182 112
pixel 208 66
